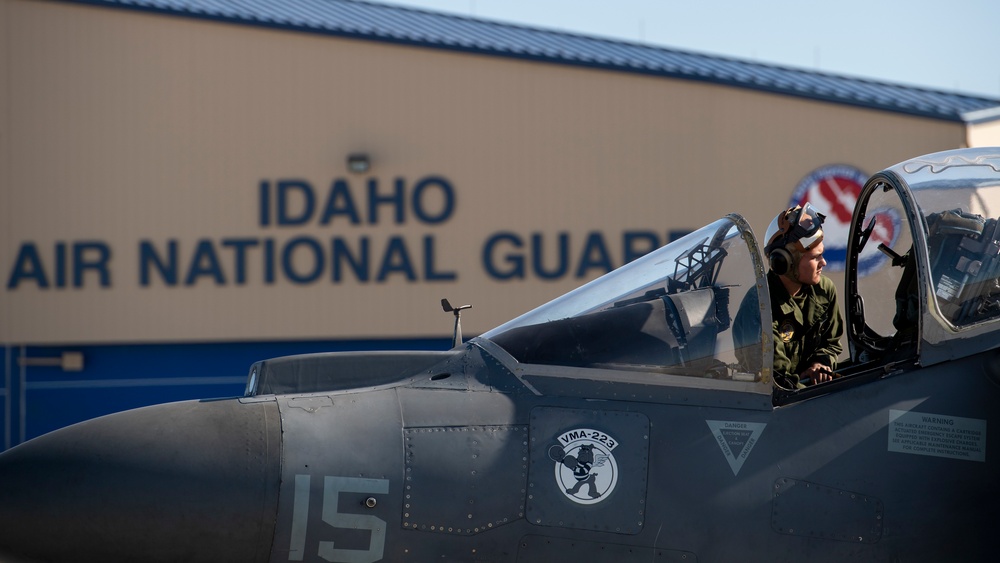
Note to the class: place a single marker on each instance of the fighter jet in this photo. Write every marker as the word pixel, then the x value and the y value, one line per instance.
pixel 623 421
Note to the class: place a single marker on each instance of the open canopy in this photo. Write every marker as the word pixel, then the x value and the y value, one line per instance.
pixel 670 313
pixel 924 258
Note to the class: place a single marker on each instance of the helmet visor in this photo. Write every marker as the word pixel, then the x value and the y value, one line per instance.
pixel 808 227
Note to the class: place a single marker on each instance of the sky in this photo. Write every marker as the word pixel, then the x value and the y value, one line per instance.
pixel 948 45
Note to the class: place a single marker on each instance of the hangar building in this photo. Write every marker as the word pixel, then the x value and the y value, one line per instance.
pixel 190 186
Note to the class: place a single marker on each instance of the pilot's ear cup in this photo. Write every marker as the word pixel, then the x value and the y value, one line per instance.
pixel 780 261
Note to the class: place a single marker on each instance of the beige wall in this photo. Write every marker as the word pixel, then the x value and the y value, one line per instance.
pixel 121 127
pixel 985 134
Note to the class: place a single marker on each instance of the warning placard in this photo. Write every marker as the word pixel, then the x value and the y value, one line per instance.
pixel 736 439
pixel 938 435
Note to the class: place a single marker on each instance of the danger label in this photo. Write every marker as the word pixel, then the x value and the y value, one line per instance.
pixel 736 439
pixel 937 435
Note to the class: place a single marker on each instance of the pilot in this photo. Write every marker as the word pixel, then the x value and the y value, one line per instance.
pixel 805 317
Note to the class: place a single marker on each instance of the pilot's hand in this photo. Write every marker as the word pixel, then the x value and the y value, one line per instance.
pixel 818 373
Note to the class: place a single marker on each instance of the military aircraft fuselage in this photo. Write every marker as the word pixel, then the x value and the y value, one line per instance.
pixel 465 466
pixel 625 421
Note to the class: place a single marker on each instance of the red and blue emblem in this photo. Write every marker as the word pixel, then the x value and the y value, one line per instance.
pixel 833 190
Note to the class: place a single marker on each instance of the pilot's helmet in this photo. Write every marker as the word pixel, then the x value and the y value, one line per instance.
pixel 790 235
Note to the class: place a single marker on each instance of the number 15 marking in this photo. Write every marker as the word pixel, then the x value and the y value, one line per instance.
pixel 332 487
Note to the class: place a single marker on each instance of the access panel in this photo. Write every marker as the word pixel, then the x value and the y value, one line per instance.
pixel 588 469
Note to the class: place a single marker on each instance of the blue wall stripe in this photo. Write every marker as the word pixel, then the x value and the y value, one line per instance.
pixel 39 399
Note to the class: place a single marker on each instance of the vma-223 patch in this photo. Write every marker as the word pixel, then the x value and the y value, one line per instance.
pixel 585 467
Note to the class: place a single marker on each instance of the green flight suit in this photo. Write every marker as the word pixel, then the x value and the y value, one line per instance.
pixel 807 328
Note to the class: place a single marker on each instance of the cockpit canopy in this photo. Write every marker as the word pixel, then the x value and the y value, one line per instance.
pixel 670 312
pixel 925 269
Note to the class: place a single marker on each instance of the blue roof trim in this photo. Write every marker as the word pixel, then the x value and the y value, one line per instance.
pixel 379 22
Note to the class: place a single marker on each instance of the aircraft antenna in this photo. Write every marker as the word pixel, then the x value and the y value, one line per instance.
pixel 456 339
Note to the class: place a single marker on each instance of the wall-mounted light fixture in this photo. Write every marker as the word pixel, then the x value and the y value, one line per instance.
pixel 359 163
pixel 68 361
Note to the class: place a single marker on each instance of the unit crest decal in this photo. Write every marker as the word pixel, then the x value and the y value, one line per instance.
pixel 585 468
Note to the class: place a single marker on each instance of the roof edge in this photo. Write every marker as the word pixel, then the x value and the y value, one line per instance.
pixel 982 116
pixel 233 16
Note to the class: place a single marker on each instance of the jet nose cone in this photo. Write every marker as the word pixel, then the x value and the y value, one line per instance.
pixel 191 481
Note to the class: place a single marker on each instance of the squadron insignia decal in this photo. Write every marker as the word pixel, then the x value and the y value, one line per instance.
pixel 585 468
pixel 786 331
